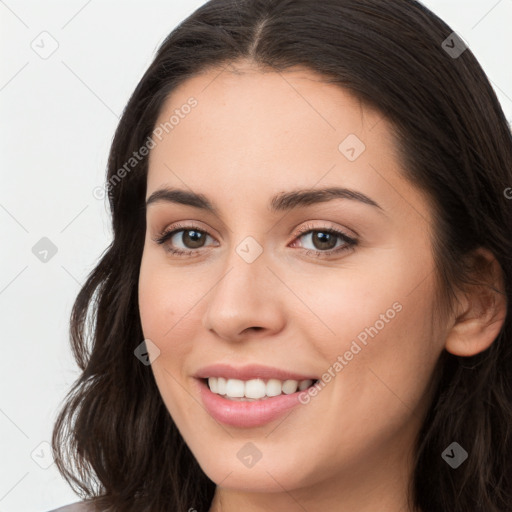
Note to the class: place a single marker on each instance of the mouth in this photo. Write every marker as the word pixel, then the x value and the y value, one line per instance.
pixel 251 395
pixel 255 389
pixel 258 401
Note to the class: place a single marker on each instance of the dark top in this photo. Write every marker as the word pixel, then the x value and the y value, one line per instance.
pixel 79 506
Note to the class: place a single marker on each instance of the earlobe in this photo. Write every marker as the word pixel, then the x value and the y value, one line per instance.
pixel 482 309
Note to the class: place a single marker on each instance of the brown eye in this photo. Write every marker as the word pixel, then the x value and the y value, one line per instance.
pixel 182 240
pixel 325 241
pixel 192 238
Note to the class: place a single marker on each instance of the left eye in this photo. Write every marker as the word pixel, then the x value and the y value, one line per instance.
pixel 324 240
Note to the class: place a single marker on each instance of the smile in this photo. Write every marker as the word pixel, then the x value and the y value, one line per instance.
pixel 255 389
pixel 246 411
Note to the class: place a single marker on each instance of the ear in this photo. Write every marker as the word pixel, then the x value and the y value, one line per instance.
pixel 482 308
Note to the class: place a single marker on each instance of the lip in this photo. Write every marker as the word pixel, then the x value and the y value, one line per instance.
pixel 245 414
pixel 248 372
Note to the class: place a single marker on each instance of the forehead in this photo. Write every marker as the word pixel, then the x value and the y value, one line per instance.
pixel 252 96
pixel 243 118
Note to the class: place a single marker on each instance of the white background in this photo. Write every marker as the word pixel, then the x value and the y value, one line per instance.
pixel 58 118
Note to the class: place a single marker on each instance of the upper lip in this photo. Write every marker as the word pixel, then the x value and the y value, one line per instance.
pixel 248 372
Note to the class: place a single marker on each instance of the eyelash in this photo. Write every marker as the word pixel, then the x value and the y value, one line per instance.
pixel 165 235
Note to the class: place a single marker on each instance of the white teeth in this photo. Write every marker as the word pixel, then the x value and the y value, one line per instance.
pixel 235 388
pixel 274 387
pixel 255 389
pixel 214 385
pixel 290 386
pixel 221 386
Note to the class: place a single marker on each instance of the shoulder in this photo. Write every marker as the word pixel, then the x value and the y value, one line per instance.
pixel 79 506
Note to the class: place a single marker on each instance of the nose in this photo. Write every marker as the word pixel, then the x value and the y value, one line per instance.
pixel 244 301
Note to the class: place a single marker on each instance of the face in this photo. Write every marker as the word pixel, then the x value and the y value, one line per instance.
pixel 337 287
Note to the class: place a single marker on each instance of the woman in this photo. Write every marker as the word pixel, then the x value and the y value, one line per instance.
pixel 306 303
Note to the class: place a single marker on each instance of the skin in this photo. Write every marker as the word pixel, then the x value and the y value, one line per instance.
pixel 252 135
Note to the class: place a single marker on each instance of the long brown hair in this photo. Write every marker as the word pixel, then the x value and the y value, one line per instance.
pixel 114 439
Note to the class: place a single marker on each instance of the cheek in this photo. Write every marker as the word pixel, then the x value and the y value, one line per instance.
pixel 163 308
pixel 163 319
pixel 380 323
pixel 385 302
pixel 355 307
pixel 153 304
pixel 390 374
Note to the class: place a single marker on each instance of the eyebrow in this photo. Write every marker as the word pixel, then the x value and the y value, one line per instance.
pixel 283 201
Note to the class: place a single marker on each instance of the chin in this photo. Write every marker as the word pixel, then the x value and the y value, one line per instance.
pixel 254 480
pixel 265 475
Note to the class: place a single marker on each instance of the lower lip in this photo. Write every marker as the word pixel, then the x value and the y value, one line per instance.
pixel 246 414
